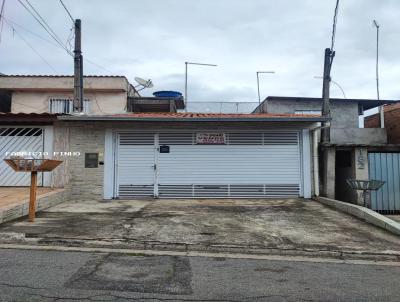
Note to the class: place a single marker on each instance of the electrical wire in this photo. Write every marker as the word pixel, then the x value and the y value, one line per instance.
pixel 43 20
pixel 33 107
pixel 54 44
pixel 2 18
pixel 31 32
pixel 332 52
pixel 93 93
pixel 48 30
pixel 53 35
pixel 69 39
pixel 334 25
pixel 98 66
pixel 31 47
pixel 66 9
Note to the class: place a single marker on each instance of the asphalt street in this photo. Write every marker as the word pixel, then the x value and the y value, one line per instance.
pixel 34 275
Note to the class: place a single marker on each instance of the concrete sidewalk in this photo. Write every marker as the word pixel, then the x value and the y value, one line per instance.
pixel 14 201
pixel 280 227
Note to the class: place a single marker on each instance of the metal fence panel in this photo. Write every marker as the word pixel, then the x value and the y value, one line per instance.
pixel 385 167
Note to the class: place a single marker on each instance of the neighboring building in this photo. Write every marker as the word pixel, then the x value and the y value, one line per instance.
pixel 353 153
pixel 54 94
pixel 392 125
pixel 344 112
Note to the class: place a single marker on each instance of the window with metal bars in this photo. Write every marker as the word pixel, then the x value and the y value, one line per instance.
pixel 66 105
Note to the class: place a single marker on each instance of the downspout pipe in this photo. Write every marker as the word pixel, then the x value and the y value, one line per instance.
pixel 316 161
pixel 315 130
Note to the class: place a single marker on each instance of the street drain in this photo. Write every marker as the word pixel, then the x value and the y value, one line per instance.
pixel 207 233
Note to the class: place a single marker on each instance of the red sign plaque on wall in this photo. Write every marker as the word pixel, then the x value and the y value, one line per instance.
pixel 210 138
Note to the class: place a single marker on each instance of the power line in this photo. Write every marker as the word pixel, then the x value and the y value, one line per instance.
pixel 97 65
pixel 334 25
pixel 69 39
pixel 29 31
pixel 31 47
pixel 48 30
pixel 66 9
pixel 43 20
pixel 35 34
pixel 51 32
pixel 52 43
pixel 2 18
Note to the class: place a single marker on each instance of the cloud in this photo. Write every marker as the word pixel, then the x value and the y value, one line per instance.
pixel 154 38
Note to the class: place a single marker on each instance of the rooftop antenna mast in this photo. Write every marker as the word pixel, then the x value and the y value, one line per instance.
pixel 381 108
pixel 258 83
pixel 186 77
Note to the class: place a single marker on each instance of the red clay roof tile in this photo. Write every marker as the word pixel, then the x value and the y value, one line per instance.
pixel 210 115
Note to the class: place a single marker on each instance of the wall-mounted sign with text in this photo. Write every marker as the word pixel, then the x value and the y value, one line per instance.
pixel 210 138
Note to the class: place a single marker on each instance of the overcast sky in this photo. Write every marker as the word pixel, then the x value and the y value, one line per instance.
pixel 153 39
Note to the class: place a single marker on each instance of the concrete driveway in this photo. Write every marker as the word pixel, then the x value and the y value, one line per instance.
pixel 293 226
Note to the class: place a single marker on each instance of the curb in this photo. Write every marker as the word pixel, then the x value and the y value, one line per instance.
pixel 118 244
pixel 43 201
pixel 139 252
pixel 363 213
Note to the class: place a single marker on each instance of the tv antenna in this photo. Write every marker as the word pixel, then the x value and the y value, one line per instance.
pixel 143 83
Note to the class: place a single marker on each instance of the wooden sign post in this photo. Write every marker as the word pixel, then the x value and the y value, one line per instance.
pixel 34 166
pixel 32 196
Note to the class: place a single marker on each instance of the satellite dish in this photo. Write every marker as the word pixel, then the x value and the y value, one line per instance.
pixel 144 83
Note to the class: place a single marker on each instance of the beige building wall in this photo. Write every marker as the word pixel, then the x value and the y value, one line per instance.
pixel 31 94
pixel 63 82
pixel 38 102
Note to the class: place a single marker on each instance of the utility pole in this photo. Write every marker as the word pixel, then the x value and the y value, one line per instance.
pixel 326 107
pixel 381 108
pixel 78 69
pixel 328 59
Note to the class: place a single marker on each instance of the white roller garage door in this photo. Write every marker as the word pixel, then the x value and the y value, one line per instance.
pixel 258 164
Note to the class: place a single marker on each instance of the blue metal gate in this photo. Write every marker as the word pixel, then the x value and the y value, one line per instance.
pixel 386 167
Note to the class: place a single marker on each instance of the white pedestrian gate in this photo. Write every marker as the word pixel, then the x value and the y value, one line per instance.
pixel 175 165
pixel 18 139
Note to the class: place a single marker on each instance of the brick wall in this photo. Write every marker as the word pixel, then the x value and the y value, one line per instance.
pixel 392 118
pixel 84 182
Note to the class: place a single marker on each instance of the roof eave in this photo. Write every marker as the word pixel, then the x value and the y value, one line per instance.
pixel 212 119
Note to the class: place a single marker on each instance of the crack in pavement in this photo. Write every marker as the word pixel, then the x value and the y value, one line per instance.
pixel 22 286
pixel 113 296
pixel 100 297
